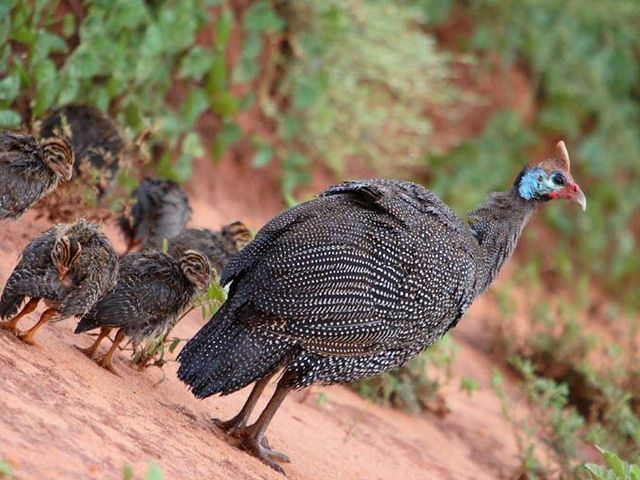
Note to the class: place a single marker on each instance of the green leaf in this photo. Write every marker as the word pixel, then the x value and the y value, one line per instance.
pixel 127 472
pixel 69 88
pixel 229 134
pixel 263 156
pixel 261 18
pixel 9 119
pixel 6 6
pixel 153 472
pixel 193 106
pixel 174 344
pixel 9 87
pixel 217 78
pixel 192 146
pixel 224 104
pixel 196 63
pixel 45 75
pixel 223 28
pixel 68 25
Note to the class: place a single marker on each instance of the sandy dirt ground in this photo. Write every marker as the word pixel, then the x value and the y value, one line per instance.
pixel 63 417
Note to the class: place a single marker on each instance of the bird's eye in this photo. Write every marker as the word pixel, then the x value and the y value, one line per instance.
pixel 558 179
pixel 198 267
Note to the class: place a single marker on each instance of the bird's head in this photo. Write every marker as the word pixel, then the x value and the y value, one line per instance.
pixel 58 156
pixel 64 254
pixel 238 233
pixel 551 179
pixel 196 268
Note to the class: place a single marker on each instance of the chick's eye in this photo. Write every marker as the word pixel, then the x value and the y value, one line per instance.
pixel 558 179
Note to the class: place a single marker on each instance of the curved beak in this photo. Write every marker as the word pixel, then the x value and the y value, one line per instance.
pixel 580 199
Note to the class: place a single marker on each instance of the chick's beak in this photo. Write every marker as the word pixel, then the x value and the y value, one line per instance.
pixel 62 272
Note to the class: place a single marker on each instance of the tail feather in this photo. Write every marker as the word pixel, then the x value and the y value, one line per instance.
pixel 87 322
pixel 227 354
pixel 10 303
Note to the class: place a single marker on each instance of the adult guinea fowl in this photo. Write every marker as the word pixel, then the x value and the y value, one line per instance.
pixel 30 169
pixel 219 247
pixel 153 290
pixel 160 211
pixel 354 283
pixel 69 266
pixel 95 140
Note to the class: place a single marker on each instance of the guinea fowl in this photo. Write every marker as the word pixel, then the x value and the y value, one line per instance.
pixel 30 169
pixel 353 283
pixel 160 211
pixel 152 290
pixel 94 138
pixel 69 266
pixel 219 247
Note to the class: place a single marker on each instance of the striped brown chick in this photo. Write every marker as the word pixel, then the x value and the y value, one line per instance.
pixel 219 247
pixel 69 266
pixel 30 169
pixel 160 211
pixel 153 290
pixel 95 140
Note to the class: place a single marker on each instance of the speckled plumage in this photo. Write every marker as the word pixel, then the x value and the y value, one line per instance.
pixel 349 285
pixel 219 247
pixel 153 289
pixel 94 137
pixel 160 211
pixel 92 272
pixel 30 169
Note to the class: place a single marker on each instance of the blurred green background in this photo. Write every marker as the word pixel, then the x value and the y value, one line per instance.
pixel 458 95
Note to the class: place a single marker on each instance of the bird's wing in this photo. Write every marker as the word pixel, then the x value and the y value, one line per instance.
pixel 19 142
pixel 144 292
pixel 335 283
pixel 99 266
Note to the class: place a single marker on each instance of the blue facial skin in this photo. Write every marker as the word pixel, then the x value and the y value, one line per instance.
pixel 537 184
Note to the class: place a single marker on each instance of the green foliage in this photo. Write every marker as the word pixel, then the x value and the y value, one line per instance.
pixel 5 469
pixel 357 81
pixel 154 472
pixel 130 57
pixel 583 62
pixel 614 468
pixel 414 386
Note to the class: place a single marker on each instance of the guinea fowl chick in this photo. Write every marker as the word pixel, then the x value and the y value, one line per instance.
pixel 219 247
pixel 160 211
pixel 70 266
pixel 95 140
pixel 152 290
pixel 30 169
pixel 353 283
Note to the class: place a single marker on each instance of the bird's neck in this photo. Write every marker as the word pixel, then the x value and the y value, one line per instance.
pixel 497 226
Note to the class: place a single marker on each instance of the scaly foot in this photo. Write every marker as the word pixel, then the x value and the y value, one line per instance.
pixel 106 364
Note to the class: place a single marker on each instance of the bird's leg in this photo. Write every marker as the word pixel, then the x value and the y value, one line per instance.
pixel 252 438
pixel 12 325
pixel 27 336
pixel 240 420
pixel 91 350
pixel 106 361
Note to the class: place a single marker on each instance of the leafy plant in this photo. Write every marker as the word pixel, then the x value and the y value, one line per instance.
pixel 614 468
pixel 5 469
pixel 358 77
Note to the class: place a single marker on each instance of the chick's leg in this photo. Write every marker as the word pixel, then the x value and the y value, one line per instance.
pixel 91 350
pixel 12 324
pixel 107 360
pixel 27 336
